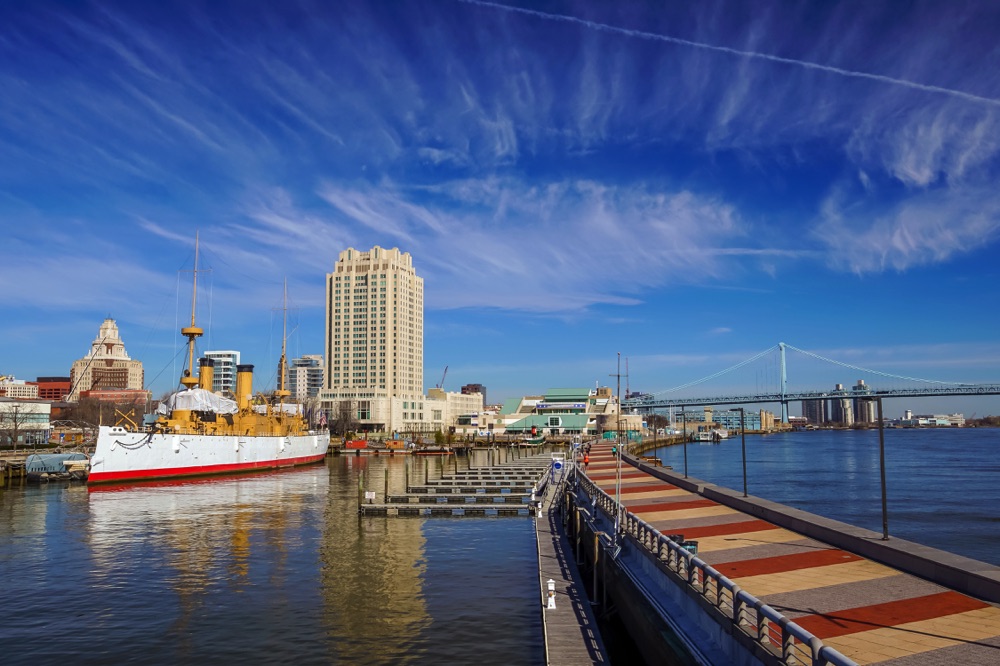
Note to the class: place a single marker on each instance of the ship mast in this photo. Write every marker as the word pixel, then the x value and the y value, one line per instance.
pixel 191 332
pixel 282 392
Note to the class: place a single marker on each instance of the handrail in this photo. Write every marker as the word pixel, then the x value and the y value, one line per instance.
pixel 767 627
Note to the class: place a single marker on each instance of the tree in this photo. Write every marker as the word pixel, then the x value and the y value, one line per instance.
pixel 102 412
pixel 343 420
pixel 13 419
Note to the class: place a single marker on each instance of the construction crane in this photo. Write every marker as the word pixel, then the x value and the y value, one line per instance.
pixel 441 383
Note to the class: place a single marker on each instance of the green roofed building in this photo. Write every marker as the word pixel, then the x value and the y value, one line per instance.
pixel 564 411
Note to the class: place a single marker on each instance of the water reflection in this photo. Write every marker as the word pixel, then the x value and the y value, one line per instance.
pixel 266 568
pixel 371 570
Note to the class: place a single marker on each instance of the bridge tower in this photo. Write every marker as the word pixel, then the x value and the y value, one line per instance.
pixel 784 384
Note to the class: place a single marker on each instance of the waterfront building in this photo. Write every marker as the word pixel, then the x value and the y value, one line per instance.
pixel 17 388
pixel 756 420
pixel 840 408
pixel 374 360
pixel 52 388
pixel 24 422
pixel 224 370
pixel 933 420
pixel 865 409
pixel 814 411
pixel 106 366
pixel 305 376
pixel 457 409
pixel 563 411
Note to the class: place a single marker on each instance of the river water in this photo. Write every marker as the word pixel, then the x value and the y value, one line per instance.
pixel 943 485
pixel 278 568
pixel 266 568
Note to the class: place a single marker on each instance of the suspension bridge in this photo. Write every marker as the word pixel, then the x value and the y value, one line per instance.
pixel 663 400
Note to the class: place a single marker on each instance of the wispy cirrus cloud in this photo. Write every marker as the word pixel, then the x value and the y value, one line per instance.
pixel 543 246
pixel 922 230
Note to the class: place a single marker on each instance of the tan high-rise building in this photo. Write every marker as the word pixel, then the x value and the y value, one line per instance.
pixel 374 355
pixel 106 366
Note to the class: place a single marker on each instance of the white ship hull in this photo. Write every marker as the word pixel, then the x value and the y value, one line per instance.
pixel 122 455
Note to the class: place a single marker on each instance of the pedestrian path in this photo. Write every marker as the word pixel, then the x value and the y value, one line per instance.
pixel 572 637
pixel 869 612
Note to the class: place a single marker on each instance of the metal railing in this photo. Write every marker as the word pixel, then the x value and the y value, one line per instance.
pixel 772 631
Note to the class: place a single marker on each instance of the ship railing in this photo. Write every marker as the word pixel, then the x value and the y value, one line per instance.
pixel 778 635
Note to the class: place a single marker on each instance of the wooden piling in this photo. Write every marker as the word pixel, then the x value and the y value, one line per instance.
pixel 361 490
pixel 597 551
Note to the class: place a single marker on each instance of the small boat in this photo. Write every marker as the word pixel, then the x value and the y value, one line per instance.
pixel 710 436
pixel 196 432
pixel 56 467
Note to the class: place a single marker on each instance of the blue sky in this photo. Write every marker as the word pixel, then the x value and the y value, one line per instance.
pixel 684 183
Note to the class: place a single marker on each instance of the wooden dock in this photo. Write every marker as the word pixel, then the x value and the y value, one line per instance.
pixel 506 489
pixel 571 633
pixel 12 470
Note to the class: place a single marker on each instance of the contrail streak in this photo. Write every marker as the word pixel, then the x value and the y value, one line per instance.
pixel 737 52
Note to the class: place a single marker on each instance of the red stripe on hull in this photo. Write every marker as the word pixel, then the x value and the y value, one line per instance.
pixel 200 470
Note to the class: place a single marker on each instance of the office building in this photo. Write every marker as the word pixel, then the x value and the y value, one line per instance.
pixel 814 411
pixel 17 388
pixel 52 388
pixel 469 389
pixel 374 351
pixel 107 366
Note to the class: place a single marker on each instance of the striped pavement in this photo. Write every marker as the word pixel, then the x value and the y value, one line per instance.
pixel 869 612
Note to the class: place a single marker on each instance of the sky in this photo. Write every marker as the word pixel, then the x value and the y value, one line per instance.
pixel 677 185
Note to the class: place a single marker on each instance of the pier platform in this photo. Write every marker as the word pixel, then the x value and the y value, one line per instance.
pixel 571 633
pixel 506 489
pixel 869 611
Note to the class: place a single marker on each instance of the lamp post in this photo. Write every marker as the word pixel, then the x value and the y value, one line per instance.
pixel 881 465
pixel 618 457
pixel 743 438
pixel 684 420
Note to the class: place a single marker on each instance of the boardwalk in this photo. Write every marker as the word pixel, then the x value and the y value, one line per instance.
pixel 869 612
pixel 571 634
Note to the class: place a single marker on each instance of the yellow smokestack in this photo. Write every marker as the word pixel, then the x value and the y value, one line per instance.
pixel 206 373
pixel 244 385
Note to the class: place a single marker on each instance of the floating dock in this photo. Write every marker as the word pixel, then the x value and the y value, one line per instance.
pixel 507 489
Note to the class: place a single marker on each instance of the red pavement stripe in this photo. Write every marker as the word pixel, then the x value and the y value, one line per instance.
pixel 646 489
pixel 671 506
pixel 781 563
pixel 889 614
pixel 610 472
pixel 725 528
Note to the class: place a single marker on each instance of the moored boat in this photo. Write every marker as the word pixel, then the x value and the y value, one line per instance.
pixel 197 432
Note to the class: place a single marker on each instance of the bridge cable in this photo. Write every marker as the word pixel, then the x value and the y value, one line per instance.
pixel 721 372
pixel 874 372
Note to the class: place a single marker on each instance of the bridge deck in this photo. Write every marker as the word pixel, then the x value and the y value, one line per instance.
pixel 869 612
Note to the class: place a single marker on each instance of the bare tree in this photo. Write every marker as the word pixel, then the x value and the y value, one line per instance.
pixel 343 420
pixel 312 411
pixel 105 413
pixel 13 419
